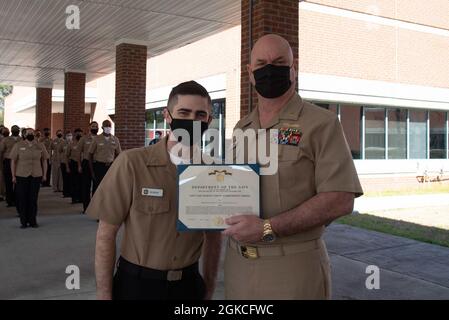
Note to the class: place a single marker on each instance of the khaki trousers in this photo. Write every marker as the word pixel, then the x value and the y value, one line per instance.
pixel 56 176
pixel 288 272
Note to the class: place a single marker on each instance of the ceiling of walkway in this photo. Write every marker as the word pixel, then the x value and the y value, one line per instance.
pixel 36 47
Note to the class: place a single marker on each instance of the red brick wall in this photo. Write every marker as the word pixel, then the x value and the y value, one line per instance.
pixel 57 123
pixel 43 108
pixel 74 101
pixel 130 86
pixel 268 16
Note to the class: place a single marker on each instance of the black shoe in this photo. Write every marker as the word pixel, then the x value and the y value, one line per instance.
pixel 10 205
pixel 23 226
pixel 34 225
pixel 1 199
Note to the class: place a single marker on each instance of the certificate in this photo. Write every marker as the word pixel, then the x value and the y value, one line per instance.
pixel 208 194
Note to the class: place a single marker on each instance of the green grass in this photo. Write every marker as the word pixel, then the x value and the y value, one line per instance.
pixel 398 228
pixel 427 188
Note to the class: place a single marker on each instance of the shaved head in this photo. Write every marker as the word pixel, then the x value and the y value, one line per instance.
pixel 271 49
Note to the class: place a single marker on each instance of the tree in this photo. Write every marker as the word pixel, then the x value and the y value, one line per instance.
pixel 5 90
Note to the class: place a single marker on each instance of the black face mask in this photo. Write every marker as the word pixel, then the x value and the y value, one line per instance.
pixel 47 134
pixel 15 133
pixel 187 125
pixel 94 131
pixel 6 134
pixel 272 81
pixel 30 137
pixel 59 135
pixel 78 137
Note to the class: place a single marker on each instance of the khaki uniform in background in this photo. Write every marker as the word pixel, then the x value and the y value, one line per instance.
pixel 294 267
pixel 86 176
pixel 104 150
pixel 57 181
pixel 74 156
pixel 150 238
pixel 64 165
pixel 46 141
pixel 6 146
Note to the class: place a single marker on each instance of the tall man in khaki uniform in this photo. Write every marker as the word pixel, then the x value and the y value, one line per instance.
pixel 5 149
pixel 86 176
pixel 140 191
pixel 74 156
pixel 65 164
pixel 282 255
pixel 46 141
pixel 102 152
pixel 56 162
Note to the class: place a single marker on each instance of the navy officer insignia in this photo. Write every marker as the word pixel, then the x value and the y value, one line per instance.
pixel 289 136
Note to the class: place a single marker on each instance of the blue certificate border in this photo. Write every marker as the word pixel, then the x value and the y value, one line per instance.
pixel 182 167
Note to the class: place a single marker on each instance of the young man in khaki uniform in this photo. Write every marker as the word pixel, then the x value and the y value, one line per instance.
pixel 65 165
pixel 74 156
pixel 56 162
pixel 46 141
pixel 102 152
pixel 140 191
pixel 5 149
pixel 86 176
pixel 282 255
pixel 28 167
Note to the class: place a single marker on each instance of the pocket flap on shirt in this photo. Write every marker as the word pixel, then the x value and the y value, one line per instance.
pixel 153 206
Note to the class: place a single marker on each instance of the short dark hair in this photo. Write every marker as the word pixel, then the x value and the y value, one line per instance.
pixel 46 129
pixel 187 88
pixel 93 123
pixel 78 130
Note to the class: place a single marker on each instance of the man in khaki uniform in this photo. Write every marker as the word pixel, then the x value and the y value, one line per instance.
pixel 5 149
pixel 74 156
pixel 282 255
pixel 140 191
pixel 86 176
pixel 64 164
pixel 56 162
pixel 46 141
pixel 28 167
pixel 102 152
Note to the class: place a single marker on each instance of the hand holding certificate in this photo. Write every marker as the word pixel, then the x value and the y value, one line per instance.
pixel 208 194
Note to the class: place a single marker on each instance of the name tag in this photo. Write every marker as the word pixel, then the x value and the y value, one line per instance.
pixel 87 142
pixel 23 149
pixel 152 192
pixel 101 144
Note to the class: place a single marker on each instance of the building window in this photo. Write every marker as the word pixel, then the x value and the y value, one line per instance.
pixel 397 134
pixel 350 117
pixel 374 133
pixel 154 121
pixel 418 134
pixel 218 123
pixel 437 135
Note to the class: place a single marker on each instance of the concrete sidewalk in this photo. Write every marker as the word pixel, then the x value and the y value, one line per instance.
pixel 34 261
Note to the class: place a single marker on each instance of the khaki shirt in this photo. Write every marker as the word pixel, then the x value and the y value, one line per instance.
pixel 74 151
pixel 46 141
pixel 61 150
pixel 85 143
pixel 28 157
pixel 105 150
pixel 6 146
pixel 321 162
pixel 150 238
pixel 56 153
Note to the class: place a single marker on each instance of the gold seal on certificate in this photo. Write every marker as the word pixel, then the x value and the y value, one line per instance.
pixel 208 194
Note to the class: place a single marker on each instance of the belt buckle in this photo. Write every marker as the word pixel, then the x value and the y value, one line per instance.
pixel 174 275
pixel 249 252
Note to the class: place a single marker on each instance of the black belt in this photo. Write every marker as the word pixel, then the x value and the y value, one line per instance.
pixel 107 164
pixel 148 273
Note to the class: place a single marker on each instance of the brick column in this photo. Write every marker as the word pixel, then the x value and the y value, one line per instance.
pixel 130 87
pixel 74 101
pixel 268 16
pixel 43 108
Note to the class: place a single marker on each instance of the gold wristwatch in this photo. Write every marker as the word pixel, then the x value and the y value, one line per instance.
pixel 268 234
